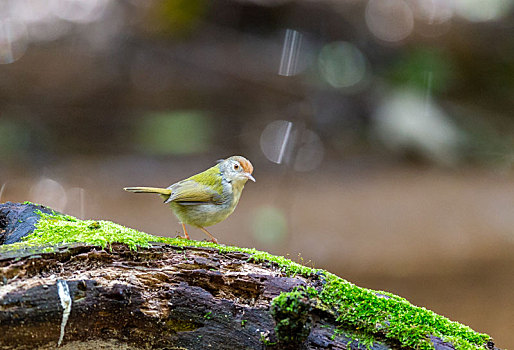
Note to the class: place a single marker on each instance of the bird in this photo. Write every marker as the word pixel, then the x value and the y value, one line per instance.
pixel 206 198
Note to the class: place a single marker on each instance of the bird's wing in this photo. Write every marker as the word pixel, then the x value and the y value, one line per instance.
pixel 190 192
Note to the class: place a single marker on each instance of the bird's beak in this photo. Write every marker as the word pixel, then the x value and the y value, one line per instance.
pixel 250 177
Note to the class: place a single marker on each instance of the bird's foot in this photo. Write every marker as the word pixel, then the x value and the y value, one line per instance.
pixel 186 236
pixel 213 239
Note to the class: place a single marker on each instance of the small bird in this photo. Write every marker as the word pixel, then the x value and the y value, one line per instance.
pixel 206 198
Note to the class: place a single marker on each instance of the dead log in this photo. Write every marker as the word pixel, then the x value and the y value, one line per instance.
pixel 160 297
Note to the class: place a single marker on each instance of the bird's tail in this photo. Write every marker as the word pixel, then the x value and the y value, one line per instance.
pixel 164 191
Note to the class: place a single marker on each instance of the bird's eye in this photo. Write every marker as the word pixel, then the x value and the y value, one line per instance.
pixel 236 166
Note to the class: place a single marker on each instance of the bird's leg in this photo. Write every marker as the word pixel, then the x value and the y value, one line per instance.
pixel 213 239
pixel 186 236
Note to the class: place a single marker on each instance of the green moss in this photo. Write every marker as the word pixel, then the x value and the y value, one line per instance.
pixel 291 312
pixel 384 313
pixel 373 314
pixel 181 326
pixel 61 229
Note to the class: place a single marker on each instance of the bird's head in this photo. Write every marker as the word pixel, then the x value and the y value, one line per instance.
pixel 237 169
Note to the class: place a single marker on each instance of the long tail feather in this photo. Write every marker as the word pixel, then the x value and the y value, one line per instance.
pixel 164 191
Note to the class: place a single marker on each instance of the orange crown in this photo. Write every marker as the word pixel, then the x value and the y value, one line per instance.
pixel 245 163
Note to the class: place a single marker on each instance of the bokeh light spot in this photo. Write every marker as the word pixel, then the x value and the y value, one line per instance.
pixel 49 193
pixel 13 40
pixel 176 17
pixel 30 11
pixel 412 69
pixel 269 225
pixel 408 123
pixel 310 152
pixel 175 132
pixel 483 10
pixel 434 11
pixel 342 64
pixel 79 11
pixel 389 20
pixel 14 138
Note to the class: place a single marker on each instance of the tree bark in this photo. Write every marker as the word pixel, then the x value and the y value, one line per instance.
pixel 161 297
pixel 158 297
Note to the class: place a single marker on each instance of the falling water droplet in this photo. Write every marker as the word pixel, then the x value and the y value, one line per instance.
pixel 276 140
pixel 76 202
pixel 82 206
pixel 2 191
pixel 290 53
pixel 284 142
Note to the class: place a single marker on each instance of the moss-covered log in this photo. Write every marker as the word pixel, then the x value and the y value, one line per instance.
pixel 69 283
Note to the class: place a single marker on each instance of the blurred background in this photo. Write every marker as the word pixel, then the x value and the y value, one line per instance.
pixel 381 131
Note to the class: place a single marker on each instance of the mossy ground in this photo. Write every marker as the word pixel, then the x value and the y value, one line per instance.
pixel 370 312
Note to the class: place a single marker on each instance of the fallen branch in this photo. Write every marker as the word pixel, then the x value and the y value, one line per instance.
pixel 180 296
